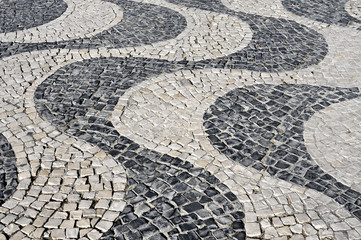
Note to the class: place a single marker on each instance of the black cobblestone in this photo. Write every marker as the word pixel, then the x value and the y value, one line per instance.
pixel 259 126
pixel 142 24
pixel 8 170
pixel 330 11
pixel 23 14
pixel 172 187
pixel 262 126
pixel 277 44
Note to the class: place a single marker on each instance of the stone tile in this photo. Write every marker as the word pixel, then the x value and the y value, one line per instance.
pixel 253 229
pixel 71 232
pixel 166 119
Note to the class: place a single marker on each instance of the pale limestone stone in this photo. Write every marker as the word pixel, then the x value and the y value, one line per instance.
pixel 253 229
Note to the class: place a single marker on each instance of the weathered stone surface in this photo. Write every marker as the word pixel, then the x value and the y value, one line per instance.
pixel 102 105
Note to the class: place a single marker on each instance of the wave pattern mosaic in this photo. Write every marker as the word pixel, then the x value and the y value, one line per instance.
pixel 166 119
pixel 23 14
pixel 262 127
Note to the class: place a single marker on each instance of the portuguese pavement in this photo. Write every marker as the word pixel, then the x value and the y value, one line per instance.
pixel 180 119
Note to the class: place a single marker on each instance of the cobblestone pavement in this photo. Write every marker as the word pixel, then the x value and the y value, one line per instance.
pixel 169 119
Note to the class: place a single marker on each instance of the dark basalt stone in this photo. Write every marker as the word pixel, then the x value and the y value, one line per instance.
pixel 264 130
pixel 330 11
pixel 166 196
pixel 259 126
pixel 23 14
pixel 277 44
pixel 8 170
pixel 208 5
pixel 141 24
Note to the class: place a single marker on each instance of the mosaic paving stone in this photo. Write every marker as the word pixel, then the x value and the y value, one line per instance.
pixel 166 196
pixel 142 24
pixel 212 5
pixel 8 171
pixel 338 68
pixel 81 19
pixel 275 48
pixel 176 112
pixel 70 185
pixel 170 199
pixel 262 126
pixel 332 137
pixel 332 12
pixel 22 14
pixel 207 35
pixel 277 44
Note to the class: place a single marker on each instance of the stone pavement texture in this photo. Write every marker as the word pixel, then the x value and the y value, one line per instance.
pixel 170 119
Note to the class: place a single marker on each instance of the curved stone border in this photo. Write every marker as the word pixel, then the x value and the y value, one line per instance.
pixel 24 14
pixel 338 68
pixel 332 137
pixel 66 55
pixel 227 30
pixel 327 12
pixel 81 19
pixel 331 12
pixel 273 207
pixel 58 208
pixel 293 48
pixel 194 204
pixel 142 24
pixel 271 9
pixel 313 204
pixel 261 126
pixel 277 44
pixel 208 35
